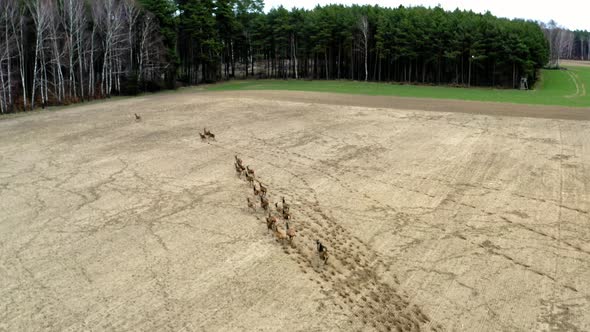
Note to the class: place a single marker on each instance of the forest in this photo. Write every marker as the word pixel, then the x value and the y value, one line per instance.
pixel 566 44
pixel 55 52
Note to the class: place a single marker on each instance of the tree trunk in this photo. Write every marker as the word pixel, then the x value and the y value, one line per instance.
pixel 9 69
pixel 514 75
pixel 352 61
pixel 326 60
pixel 469 75
pixel 339 59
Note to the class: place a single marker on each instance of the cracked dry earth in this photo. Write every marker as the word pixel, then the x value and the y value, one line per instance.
pixel 435 221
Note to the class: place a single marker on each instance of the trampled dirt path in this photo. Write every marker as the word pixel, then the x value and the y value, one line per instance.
pixel 455 218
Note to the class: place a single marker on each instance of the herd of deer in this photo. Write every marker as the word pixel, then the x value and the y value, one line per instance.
pixel 272 222
pixel 283 210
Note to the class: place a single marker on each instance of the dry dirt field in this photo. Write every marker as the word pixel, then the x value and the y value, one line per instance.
pixel 476 220
pixel 575 63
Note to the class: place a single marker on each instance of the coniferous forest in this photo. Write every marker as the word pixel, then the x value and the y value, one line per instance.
pixel 55 52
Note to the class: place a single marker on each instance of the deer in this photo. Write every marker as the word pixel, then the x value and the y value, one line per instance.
pixel 250 170
pixel 285 205
pixel 286 214
pixel 203 137
pixel 239 161
pixel 291 233
pixel 322 251
pixel 262 189
pixel 271 222
pixel 264 202
pixel 281 235
pixel 279 209
pixel 239 170
pixel 250 204
pixel 249 178
pixel 137 117
pixel 256 191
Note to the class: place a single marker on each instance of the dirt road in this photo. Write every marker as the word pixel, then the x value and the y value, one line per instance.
pixel 476 219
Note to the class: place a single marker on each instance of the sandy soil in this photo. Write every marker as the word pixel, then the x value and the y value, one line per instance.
pixel 469 220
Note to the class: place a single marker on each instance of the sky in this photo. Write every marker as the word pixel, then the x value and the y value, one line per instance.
pixel 572 14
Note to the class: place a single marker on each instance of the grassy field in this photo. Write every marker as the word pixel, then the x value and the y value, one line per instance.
pixel 557 87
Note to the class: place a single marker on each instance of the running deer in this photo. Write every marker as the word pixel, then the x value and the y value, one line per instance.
pixel 281 235
pixel 285 205
pixel 249 178
pixel 322 251
pixel 262 189
pixel 256 191
pixel 291 233
pixel 250 204
pixel 238 160
pixel 250 171
pixel 271 222
pixel 264 202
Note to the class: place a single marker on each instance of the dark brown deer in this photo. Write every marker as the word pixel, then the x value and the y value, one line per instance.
pixel 264 202
pixel 137 117
pixel 286 215
pixel 322 251
pixel 249 178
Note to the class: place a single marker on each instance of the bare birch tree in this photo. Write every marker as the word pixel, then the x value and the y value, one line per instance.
pixel 364 29
pixel 40 14
pixel 57 52
pixel 131 14
pixel 107 16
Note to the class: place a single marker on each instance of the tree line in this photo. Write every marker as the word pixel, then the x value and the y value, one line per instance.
pixel 55 52
pixel 63 51
pixel 415 45
pixel 566 44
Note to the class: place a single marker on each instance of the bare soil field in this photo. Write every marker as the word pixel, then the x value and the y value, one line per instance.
pixel 575 63
pixel 438 215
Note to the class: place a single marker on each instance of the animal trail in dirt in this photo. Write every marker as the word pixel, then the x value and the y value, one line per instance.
pixel 348 269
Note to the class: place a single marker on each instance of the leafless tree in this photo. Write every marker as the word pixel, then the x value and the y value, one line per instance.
pixel 74 21
pixel 5 46
pixel 364 29
pixel 76 47
pixel 150 43
pixel 567 44
pixel 294 54
pixel 16 20
pixel 108 19
pixel 40 12
pixel 8 45
pixel 92 73
pixel 56 39
pixel 131 14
